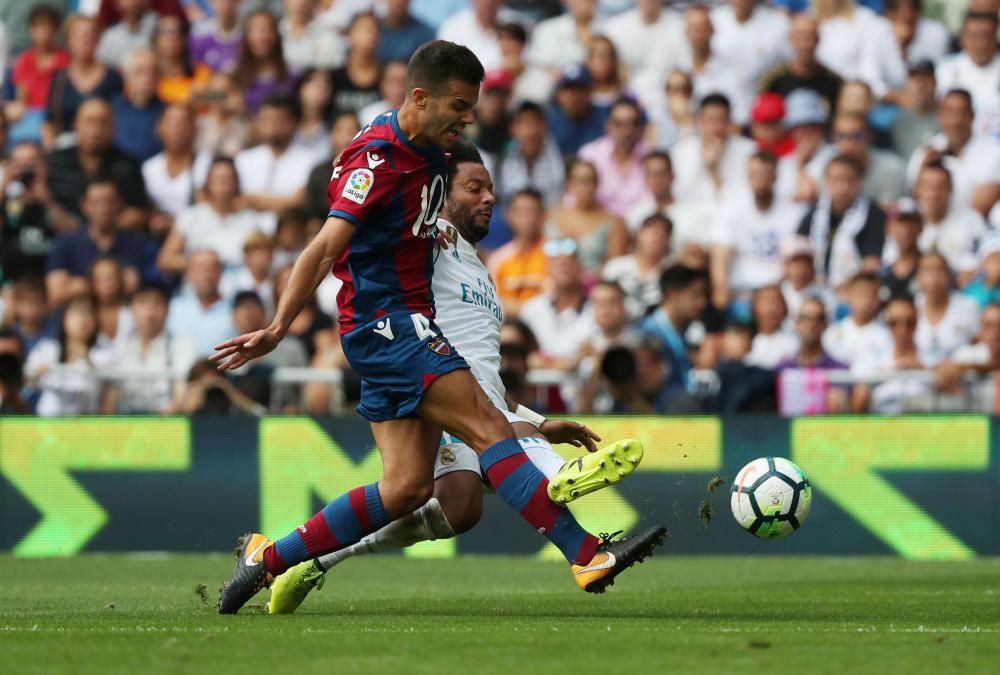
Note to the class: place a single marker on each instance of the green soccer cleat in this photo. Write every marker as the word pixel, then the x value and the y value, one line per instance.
pixel 290 589
pixel 595 471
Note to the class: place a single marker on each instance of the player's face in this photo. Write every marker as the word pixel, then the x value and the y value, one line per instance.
pixel 448 113
pixel 470 201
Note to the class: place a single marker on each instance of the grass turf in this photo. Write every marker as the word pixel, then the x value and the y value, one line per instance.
pixel 102 613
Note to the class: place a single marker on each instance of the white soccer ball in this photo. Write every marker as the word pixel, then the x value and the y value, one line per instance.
pixel 771 497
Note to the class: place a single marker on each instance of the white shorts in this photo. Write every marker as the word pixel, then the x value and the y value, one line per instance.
pixel 453 455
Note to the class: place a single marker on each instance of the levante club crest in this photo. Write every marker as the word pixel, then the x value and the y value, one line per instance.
pixel 439 346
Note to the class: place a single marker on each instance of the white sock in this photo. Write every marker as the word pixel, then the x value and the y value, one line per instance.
pixel 542 455
pixel 425 524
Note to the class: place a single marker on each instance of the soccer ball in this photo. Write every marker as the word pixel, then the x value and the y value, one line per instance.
pixel 771 497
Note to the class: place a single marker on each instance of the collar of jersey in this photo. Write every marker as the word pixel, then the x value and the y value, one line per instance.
pixel 430 151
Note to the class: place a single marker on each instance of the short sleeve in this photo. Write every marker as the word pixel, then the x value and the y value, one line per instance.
pixel 362 183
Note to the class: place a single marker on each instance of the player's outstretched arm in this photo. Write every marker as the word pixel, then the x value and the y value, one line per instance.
pixel 556 431
pixel 310 268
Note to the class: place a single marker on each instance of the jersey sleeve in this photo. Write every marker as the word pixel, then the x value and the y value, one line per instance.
pixel 363 181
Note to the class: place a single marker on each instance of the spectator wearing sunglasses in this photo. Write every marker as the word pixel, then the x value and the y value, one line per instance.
pixel 884 173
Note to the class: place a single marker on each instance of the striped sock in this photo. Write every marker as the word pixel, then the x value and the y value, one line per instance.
pixel 343 522
pixel 524 488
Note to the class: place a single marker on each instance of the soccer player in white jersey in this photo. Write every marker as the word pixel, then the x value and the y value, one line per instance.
pixel 469 313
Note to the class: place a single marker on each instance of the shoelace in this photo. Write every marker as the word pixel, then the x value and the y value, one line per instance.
pixel 608 537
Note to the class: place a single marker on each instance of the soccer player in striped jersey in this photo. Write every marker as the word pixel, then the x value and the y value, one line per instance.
pixel 379 239
pixel 467 310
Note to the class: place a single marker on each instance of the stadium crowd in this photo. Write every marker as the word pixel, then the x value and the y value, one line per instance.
pixel 701 207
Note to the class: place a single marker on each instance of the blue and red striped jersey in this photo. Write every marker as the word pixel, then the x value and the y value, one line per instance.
pixel 391 190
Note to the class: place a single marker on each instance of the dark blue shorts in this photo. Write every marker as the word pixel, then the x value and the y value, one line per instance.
pixel 397 357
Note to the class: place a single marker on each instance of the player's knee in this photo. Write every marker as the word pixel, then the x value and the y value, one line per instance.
pixel 405 496
pixel 463 511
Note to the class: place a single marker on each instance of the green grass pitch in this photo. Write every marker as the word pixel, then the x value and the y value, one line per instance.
pixel 104 614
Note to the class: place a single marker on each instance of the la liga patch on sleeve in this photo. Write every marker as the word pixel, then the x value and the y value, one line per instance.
pixel 358 185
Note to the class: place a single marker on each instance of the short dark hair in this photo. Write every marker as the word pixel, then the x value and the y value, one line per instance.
pixel 657 217
pixel 283 102
pixel 716 98
pixel 152 288
pixel 613 285
pixel 766 157
pixel 530 193
pixel 528 108
pixel 937 165
pixel 462 152
pixel 44 13
pixel 981 16
pixel 865 278
pixel 247 297
pixel 961 93
pixel 629 102
pixel 292 216
pixel 848 161
pixel 661 155
pixel 98 182
pixel 679 277
pixel 437 62
pixel 515 31
pixel 903 297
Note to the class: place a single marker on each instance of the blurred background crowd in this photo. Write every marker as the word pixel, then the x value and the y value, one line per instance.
pixel 701 206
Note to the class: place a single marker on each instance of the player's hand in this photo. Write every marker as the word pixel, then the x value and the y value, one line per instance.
pixel 444 240
pixel 568 431
pixel 234 353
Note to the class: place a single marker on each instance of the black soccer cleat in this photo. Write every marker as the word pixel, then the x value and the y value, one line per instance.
pixel 614 556
pixel 250 575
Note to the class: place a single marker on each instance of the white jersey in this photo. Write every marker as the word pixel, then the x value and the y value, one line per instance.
pixel 468 312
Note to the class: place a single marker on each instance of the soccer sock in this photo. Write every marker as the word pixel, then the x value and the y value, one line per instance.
pixel 343 522
pixel 543 455
pixel 524 488
pixel 426 523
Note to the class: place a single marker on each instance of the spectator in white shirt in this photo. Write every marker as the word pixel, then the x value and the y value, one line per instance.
pixel 533 159
pixel 884 172
pixel 751 35
pixel 175 176
pixel 638 273
pixel 202 313
pixel 392 89
pixel 314 93
pixel 976 69
pixel 164 354
pixel 658 175
pixel 217 224
pixel 974 161
pixel 981 357
pixel 860 334
pixel 856 43
pixel 134 31
pixel 947 319
pixel 892 396
pixel 63 366
pixel 273 175
pixel 712 73
pixel 309 43
pixel 747 235
pixel 799 283
pixel 806 120
pixel 773 342
pixel 476 28
pixel 562 40
pixel 953 231
pixel 255 275
pixel 560 318
pixel 712 165
pixel 531 83
pixel 920 38
pixel 648 37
